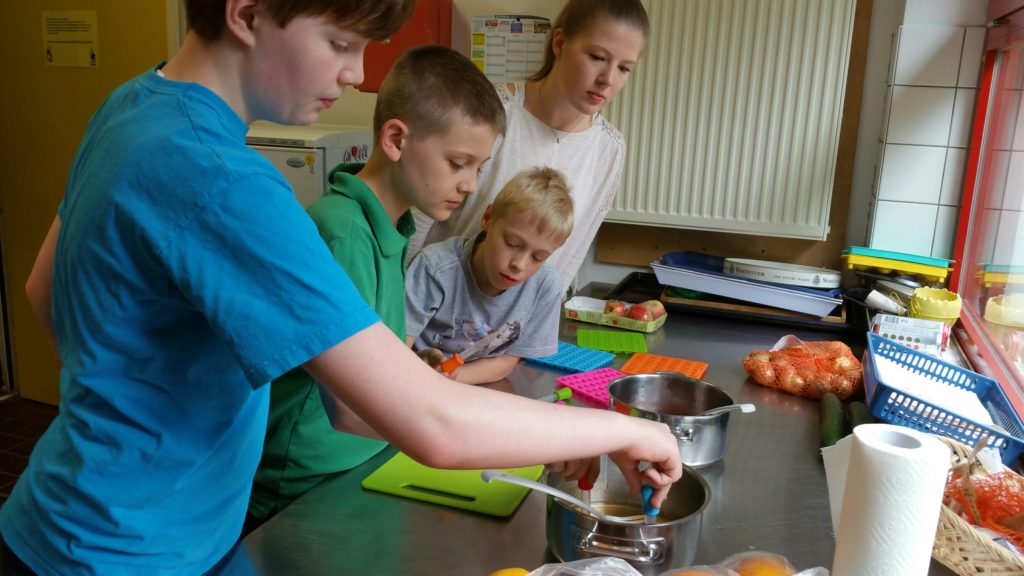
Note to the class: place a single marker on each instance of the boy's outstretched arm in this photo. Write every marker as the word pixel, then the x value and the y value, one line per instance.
pixel 486 370
pixel 39 287
pixel 445 424
pixel 344 419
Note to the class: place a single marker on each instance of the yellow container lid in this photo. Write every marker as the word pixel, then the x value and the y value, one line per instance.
pixel 935 304
pixel 1006 309
pixel 886 266
pixel 990 278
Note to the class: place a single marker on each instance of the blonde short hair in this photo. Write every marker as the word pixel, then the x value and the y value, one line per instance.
pixel 542 193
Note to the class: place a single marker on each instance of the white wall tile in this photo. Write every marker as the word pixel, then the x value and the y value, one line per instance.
pixel 929 55
pixel 963 113
pixel 1013 193
pixel 911 173
pixel 971 58
pixel 920 115
pixel 1009 247
pixel 945 232
pixel 956 12
pixel 953 177
pixel 904 227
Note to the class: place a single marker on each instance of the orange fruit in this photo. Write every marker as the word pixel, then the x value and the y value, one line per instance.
pixel 510 572
pixel 762 566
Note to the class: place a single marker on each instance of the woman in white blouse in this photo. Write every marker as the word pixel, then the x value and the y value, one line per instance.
pixel 554 120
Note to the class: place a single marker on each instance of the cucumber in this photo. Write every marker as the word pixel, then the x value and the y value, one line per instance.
pixel 857 413
pixel 833 419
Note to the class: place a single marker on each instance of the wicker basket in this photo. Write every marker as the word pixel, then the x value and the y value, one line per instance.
pixel 965 550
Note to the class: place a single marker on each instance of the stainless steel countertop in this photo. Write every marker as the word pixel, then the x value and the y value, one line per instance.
pixel 768 493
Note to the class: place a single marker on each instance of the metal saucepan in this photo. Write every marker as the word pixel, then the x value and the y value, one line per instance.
pixel 678 401
pixel 650 548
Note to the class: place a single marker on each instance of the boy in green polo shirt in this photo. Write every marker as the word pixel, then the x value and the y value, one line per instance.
pixel 434 123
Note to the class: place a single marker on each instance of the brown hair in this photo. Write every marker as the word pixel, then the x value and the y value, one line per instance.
pixel 373 19
pixel 541 192
pixel 577 16
pixel 429 85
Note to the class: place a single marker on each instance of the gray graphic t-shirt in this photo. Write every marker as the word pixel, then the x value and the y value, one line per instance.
pixel 444 309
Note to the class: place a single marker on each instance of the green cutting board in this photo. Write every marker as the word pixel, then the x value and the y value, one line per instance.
pixel 403 476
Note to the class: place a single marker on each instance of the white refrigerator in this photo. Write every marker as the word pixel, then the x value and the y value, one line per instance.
pixel 305 154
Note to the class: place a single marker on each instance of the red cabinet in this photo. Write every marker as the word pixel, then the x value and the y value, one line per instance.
pixel 430 23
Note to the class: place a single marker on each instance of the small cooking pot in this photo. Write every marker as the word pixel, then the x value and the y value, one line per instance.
pixel 677 400
pixel 650 548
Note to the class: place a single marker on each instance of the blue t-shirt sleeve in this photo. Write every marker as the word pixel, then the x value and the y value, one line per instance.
pixel 252 262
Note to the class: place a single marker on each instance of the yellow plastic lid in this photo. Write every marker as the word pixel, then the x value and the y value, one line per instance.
pixel 1007 310
pixel 935 304
pixel 885 266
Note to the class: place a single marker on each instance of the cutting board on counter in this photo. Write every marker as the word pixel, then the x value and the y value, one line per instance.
pixel 403 476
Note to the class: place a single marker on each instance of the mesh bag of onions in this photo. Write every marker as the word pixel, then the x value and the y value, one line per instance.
pixel 807 369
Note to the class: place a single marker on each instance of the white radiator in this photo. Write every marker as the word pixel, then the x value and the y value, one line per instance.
pixel 732 116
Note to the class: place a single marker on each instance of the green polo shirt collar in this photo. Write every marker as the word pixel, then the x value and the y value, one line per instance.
pixel 392 239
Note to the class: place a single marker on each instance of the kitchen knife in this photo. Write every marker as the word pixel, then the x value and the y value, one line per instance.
pixel 505 333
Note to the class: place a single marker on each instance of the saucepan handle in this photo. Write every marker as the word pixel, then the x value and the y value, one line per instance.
pixel 646 551
pixel 686 433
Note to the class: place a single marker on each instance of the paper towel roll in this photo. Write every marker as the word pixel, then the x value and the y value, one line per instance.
pixel 891 500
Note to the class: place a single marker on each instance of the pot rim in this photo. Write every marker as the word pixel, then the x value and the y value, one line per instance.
pixel 687 470
pixel 663 416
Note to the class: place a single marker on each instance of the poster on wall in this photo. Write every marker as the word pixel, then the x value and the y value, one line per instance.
pixel 70 38
pixel 507 48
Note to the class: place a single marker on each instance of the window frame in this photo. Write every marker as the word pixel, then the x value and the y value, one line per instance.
pixel 971 333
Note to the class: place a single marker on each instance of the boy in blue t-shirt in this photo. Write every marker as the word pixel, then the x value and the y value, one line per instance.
pixel 434 108
pixel 180 275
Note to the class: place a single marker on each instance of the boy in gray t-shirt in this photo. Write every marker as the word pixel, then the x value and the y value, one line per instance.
pixel 463 289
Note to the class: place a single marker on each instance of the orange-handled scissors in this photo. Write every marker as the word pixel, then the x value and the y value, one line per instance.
pixel 496 339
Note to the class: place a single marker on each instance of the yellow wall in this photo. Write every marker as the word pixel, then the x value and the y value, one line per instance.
pixel 43 112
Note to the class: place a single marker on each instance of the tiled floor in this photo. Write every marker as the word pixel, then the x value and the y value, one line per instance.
pixel 22 422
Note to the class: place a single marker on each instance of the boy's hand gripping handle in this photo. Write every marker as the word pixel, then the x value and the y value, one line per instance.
pixel 452 364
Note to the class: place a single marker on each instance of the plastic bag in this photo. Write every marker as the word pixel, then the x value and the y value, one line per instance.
pixel 604 566
pixel 753 563
pixel 701 570
pixel 807 369
pixel 757 562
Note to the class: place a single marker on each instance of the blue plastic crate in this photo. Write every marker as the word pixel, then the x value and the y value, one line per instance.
pixel 892 405
pixel 573 358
